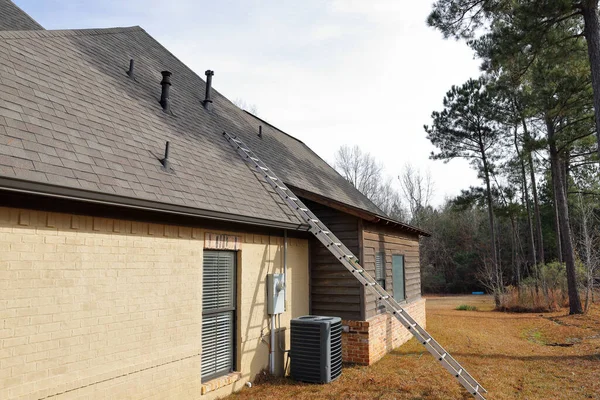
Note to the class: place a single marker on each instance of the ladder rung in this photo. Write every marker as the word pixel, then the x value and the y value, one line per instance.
pixel 303 209
pixel 384 297
pixel 235 140
pixel 326 232
pixel 245 150
pixel 370 283
pixel 273 178
pixel 314 220
pixel 443 356
pixel 264 168
pixel 283 188
pixel 254 159
pixel 292 198
pixel 427 341
pixel 360 271
pixel 459 372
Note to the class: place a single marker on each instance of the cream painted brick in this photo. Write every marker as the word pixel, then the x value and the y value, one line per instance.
pixel 112 308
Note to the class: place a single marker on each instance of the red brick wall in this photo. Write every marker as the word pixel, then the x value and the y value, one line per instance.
pixel 366 342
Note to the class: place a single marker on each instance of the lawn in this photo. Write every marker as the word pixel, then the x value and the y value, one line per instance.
pixel 514 356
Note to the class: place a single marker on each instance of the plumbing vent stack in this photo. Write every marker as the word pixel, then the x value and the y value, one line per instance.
pixel 166 86
pixel 207 100
pixel 130 72
pixel 260 131
pixel 165 160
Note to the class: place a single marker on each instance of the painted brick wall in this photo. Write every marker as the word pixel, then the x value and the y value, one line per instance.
pixel 93 307
pixel 366 342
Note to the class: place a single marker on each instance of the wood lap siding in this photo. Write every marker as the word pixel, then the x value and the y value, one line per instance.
pixel 334 291
pixel 382 239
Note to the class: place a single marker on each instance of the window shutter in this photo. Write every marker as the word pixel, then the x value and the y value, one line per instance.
pixel 218 312
pixel 380 268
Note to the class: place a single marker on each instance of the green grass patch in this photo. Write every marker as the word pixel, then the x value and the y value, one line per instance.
pixel 465 307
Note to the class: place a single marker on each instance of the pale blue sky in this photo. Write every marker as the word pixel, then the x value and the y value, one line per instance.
pixel 327 72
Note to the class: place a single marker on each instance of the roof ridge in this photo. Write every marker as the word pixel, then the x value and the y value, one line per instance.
pixel 274 127
pixel 325 161
pixel 48 33
pixel 15 6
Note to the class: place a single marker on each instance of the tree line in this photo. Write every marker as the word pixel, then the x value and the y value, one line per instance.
pixel 528 126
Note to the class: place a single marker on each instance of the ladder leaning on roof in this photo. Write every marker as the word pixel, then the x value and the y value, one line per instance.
pixel 349 260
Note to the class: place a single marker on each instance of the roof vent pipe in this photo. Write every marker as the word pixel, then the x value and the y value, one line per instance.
pixel 260 131
pixel 166 86
pixel 130 72
pixel 165 161
pixel 207 100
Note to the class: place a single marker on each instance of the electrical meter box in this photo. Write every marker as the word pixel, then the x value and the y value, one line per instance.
pixel 275 294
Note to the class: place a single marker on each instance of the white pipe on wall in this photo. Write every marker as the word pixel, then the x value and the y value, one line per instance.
pixel 272 347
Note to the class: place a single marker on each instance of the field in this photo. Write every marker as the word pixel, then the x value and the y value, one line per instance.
pixel 514 356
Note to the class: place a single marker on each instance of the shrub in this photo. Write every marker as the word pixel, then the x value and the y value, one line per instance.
pixel 465 307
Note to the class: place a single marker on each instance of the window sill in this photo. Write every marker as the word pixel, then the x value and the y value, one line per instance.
pixel 220 382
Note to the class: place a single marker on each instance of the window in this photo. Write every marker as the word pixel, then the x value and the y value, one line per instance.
pixel 398 277
pixel 380 268
pixel 218 313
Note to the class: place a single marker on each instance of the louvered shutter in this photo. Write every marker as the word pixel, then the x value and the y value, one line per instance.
pixel 380 269
pixel 218 312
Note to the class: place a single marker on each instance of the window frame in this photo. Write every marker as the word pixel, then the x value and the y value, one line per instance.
pixel 233 311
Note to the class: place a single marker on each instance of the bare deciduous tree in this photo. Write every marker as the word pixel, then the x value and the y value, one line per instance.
pixel 417 189
pixel 360 169
pixel 388 199
pixel 366 174
pixel 244 105
pixel 587 241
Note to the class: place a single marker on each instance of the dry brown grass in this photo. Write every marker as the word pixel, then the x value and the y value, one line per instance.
pixel 528 299
pixel 515 356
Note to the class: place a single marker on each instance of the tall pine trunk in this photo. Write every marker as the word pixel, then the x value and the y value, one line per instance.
pixel 591 31
pixel 532 254
pixel 490 204
pixel 534 192
pixel 562 209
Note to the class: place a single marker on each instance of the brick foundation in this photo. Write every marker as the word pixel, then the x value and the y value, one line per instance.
pixel 366 342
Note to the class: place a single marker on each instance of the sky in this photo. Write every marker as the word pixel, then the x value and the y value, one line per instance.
pixel 328 72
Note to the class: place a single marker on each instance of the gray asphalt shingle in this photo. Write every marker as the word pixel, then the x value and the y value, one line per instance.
pixel 12 18
pixel 71 116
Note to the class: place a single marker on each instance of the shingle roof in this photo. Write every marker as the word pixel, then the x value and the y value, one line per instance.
pixel 12 18
pixel 70 116
pixel 301 167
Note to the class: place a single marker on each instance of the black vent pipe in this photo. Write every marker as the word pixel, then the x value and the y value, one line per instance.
pixel 207 100
pixel 165 160
pixel 130 72
pixel 166 86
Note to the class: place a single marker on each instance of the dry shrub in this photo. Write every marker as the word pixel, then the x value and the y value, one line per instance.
pixel 529 299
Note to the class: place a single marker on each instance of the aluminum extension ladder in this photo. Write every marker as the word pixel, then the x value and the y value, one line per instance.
pixel 349 260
